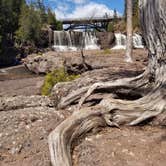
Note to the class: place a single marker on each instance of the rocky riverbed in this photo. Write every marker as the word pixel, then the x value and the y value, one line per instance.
pixel 27 118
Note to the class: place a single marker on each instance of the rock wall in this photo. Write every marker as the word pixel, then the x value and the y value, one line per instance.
pixel 106 39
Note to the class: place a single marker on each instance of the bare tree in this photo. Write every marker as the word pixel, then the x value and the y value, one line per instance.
pixel 129 29
pixel 151 86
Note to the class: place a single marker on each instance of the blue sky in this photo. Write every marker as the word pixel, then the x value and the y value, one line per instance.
pixel 84 8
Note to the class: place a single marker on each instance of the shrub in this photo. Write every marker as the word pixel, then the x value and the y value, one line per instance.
pixel 107 51
pixel 58 75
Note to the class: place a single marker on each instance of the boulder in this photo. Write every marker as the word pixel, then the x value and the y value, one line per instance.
pixel 42 64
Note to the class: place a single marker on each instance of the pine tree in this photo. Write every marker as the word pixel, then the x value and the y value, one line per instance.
pixel 135 14
pixel 115 16
pixel 30 26
pixel 51 18
pixel 9 14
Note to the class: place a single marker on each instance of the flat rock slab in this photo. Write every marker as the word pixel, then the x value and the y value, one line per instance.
pixel 24 86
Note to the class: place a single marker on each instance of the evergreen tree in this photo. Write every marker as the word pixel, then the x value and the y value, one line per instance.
pixel 9 14
pixel 135 11
pixel 42 11
pixel 22 23
pixel 51 18
pixel 110 27
pixel 115 16
pixel 135 14
pixel 30 25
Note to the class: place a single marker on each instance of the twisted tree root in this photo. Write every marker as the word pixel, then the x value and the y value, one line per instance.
pixel 110 112
pixel 84 92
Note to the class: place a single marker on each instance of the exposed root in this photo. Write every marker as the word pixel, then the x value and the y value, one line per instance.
pixel 121 83
pixel 110 112
pixel 126 83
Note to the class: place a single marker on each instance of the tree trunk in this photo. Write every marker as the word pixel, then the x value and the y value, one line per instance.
pixel 153 21
pixel 129 29
pixel 112 111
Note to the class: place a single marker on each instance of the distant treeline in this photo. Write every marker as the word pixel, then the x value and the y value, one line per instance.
pixel 121 25
pixel 21 24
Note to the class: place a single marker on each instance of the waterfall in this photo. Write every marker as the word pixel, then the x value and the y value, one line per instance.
pixel 90 41
pixel 121 41
pixel 72 40
pixel 137 41
pixel 63 41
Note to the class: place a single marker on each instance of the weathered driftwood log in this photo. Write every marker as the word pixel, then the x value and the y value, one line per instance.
pixel 115 112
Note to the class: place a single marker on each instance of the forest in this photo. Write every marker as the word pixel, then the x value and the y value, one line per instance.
pixel 22 24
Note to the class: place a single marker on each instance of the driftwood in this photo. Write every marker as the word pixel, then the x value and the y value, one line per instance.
pixel 64 94
pixel 117 111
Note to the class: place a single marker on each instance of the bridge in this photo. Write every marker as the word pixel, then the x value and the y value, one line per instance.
pixel 98 23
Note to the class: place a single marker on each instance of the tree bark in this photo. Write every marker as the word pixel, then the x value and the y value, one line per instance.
pixel 129 29
pixel 153 21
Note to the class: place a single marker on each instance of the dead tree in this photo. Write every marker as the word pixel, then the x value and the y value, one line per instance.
pixel 129 29
pixel 113 111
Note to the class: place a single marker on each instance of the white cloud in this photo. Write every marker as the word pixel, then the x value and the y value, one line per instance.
pixel 89 10
pixel 78 1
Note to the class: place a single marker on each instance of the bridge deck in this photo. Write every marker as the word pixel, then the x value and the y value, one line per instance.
pixel 88 20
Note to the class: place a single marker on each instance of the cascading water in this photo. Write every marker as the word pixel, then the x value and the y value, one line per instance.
pixel 137 41
pixel 73 40
pixel 90 41
pixel 63 41
pixel 121 41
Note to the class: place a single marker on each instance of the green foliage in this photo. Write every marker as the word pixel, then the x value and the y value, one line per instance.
pixel 9 14
pixel 21 24
pixel 136 22
pixel 30 25
pixel 54 77
pixel 110 27
pixel 32 19
pixel 10 11
pixel 39 5
pixel 107 52
pixel 51 19
pixel 59 25
pixel 115 16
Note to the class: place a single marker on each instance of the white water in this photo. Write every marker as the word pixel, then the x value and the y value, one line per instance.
pixel 90 41
pixel 121 41
pixel 137 41
pixel 72 40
